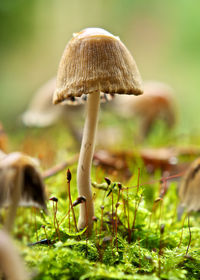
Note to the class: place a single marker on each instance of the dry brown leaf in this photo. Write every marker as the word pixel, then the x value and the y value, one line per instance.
pixel 163 158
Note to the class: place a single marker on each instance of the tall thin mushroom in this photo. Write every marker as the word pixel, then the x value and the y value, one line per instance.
pixel 94 61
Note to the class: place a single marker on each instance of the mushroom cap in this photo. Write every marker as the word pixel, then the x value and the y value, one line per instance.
pixel 33 190
pixel 41 112
pixel 93 61
pixel 158 97
pixel 189 191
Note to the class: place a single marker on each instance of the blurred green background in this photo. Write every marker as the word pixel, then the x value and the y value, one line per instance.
pixel 163 37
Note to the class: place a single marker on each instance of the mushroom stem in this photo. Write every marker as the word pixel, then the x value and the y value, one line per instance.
pixel 10 262
pixel 85 160
pixel 15 201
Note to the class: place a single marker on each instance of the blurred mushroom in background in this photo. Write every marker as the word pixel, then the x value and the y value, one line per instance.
pixel 42 113
pixel 156 103
pixel 189 190
pixel 11 266
pixel 20 184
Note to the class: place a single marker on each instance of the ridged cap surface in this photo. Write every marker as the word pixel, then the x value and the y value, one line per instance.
pixel 96 61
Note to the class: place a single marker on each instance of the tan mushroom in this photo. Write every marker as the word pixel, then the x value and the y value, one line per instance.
pixel 42 113
pixel 157 102
pixel 94 61
pixel 189 191
pixel 20 184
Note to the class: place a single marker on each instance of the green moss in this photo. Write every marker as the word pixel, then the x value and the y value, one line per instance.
pixel 144 253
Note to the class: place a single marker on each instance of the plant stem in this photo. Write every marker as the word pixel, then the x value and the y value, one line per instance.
pixel 59 167
pixel 136 203
pixel 189 233
pixel 129 230
pixel 70 205
pixel 182 232
pixel 35 213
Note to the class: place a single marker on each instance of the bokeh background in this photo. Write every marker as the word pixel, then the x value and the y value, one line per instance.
pixel 163 36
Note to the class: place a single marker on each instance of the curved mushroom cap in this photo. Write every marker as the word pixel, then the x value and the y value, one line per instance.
pixel 189 191
pixel 157 98
pixel 96 61
pixel 33 191
pixel 41 112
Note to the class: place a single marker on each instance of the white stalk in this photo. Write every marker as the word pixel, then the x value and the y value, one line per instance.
pixel 85 160
pixel 10 262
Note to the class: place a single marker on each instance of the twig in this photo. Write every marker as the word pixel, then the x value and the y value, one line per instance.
pixel 189 233
pixel 129 230
pixel 34 209
pixel 101 226
pixel 45 234
pixel 162 227
pixel 136 204
pixel 59 167
pixel 86 213
pixel 182 232
pixel 70 200
pixel 157 181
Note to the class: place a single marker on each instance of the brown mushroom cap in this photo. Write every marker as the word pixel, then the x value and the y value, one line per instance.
pixel 96 61
pixel 33 190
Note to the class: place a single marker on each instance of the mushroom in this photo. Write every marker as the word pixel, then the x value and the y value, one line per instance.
pixel 11 265
pixel 94 61
pixel 42 113
pixel 189 191
pixel 157 102
pixel 20 183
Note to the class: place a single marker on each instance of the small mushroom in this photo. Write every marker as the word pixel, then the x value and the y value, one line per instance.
pixel 94 61
pixel 11 265
pixel 157 102
pixel 189 191
pixel 20 184
pixel 42 113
